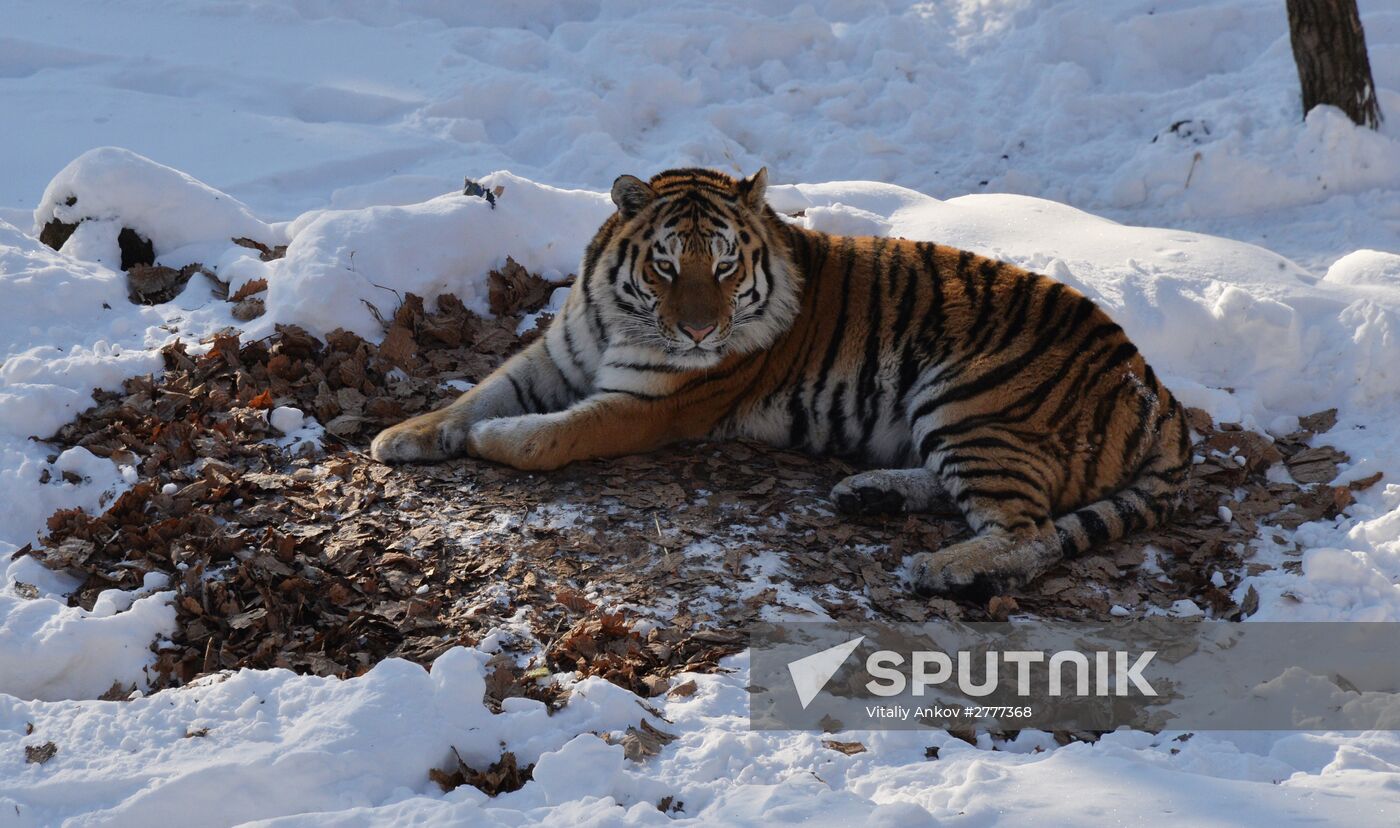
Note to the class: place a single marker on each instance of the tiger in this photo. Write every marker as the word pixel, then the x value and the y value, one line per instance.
pixel 961 383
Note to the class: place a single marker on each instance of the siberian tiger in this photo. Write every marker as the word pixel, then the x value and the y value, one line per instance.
pixel 700 313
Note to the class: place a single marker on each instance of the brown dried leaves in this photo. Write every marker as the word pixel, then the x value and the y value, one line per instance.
pixel 502 776
pixel 642 741
pixel 268 562
pixel 265 252
pixel 40 754
pixel 154 284
pixel 513 290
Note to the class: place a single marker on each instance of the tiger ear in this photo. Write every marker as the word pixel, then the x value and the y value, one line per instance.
pixel 751 189
pixel 631 194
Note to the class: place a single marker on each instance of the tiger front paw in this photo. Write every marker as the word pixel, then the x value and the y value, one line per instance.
pixel 424 439
pixel 854 499
pixel 891 491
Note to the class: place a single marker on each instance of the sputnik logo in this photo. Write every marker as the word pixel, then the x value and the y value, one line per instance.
pixel 811 673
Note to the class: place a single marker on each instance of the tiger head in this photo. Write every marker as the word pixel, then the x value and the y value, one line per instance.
pixel 696 265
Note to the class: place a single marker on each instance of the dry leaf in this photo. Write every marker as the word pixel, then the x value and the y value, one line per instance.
pixel 1364 483
pixel 643 741
pixel 1000 607
pixel 513 290
pixel 248 288
pixel 573 600
pixel 155 284
pixel 848 748
pixel 682 690
pixel 1320 422
pixel 265 253
pixel 249 309
pixel 1250 604
pixel 399 347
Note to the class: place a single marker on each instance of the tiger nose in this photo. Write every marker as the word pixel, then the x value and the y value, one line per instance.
pixel 697 333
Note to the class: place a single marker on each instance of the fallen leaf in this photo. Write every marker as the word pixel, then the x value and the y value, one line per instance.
pixel 1000 607
pixel 1320 422
pixel 848 748
pixel 1365 483
pixel 682 690
pixel 399 347
pixel 248 288
pixel 39 754
pixel 1250 605
pixel 643 741
pixel 513 290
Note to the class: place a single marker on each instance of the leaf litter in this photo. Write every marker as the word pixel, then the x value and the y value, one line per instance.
pixel 502 776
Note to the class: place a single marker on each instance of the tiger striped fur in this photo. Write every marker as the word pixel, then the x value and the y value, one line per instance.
pixel 973 383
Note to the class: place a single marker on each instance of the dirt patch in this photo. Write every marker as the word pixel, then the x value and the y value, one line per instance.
pixel 326 562
pixel 56 233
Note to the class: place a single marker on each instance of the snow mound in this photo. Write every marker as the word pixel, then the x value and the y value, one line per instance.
pixel 52 299
pixel 114 188
pixel 269 743
pixel 1366 267
pixel 340 263
pixel 308 751
pixel 52 651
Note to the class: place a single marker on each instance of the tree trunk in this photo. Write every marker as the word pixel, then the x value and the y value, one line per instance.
pixel 1330 49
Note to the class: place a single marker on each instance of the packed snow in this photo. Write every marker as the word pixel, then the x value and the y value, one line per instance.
pixel 1034 131
pixel 1102 105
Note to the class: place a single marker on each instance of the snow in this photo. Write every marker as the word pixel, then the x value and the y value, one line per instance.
pixel 66 327
pixel 311 104
pixel 277 743
pixel 1185 608
pixel 106 184
pixel 49 650
pixel 586 766
pixel 344 129
pixel 1366 267
pixel 315 750
pixel 340 262
pixel 301 435
pixel 286 419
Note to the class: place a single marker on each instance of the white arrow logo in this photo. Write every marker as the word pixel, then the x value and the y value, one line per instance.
pixel 811 673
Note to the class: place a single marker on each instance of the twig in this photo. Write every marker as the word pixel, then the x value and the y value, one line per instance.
pixel 661 542
pixel 1196 157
